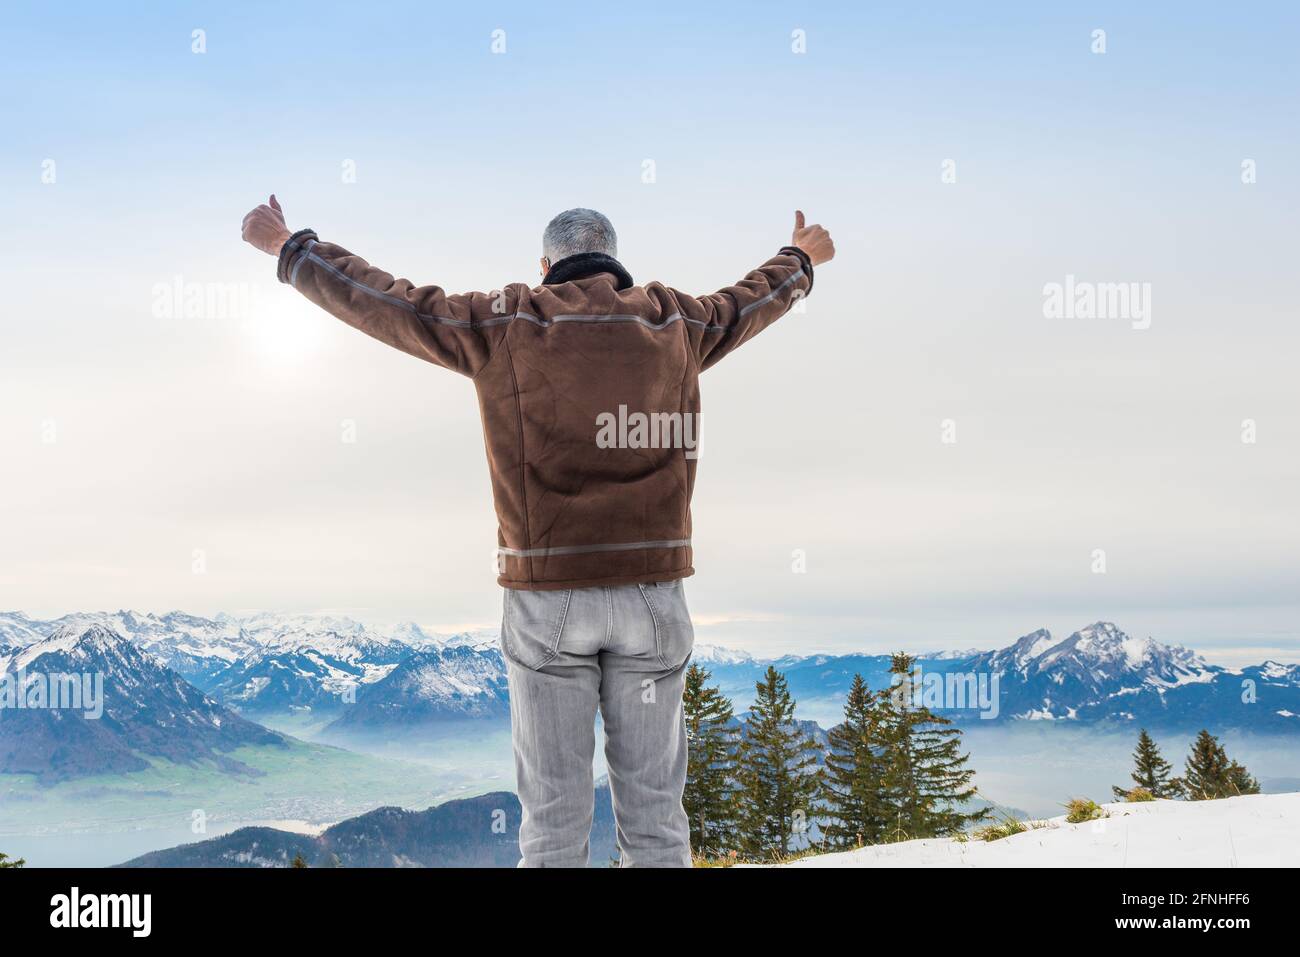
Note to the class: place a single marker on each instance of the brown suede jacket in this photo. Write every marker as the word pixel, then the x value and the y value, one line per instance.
pixel 589 391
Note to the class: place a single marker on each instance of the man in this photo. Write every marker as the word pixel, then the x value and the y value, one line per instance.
pixel 588 388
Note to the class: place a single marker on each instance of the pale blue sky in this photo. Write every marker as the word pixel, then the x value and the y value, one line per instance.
pixel 222 433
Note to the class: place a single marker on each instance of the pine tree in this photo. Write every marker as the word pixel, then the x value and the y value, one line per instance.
pixel 1210 775
pixel 926 782
pixel 775 773
pixel 1150 771
pixel 298 861
pixel 853 798
pixel 709 798
pixel 1206 774
pixel 1240 781
pixel 7 862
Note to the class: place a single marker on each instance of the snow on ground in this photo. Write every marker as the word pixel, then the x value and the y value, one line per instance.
pixel 1261 830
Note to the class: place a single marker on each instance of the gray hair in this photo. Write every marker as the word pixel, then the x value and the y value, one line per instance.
pixel 577 231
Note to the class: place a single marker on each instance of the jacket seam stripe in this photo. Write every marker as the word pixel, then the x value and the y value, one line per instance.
pixel 474 323
pixel 402 303
pixel 582 549
pixel 545 323
pixel 771 295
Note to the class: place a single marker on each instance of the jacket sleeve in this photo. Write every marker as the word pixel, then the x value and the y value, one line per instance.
pixel 457 332
pixel 720 323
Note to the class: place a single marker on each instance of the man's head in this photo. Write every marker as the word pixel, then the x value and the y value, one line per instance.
pixel 577 231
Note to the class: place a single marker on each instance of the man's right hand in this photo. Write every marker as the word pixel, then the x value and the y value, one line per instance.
pixel 264 227
pixel 813 240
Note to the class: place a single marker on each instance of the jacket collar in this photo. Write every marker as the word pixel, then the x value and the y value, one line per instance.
pixel 587 264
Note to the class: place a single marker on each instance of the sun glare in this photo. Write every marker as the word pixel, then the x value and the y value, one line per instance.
pixel 285 331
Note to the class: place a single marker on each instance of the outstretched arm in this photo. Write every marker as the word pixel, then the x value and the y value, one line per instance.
pixel 720 323
pixel 454 331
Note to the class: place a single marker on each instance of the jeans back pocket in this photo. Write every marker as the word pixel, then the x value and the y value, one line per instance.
pixel 674 633
pixel 532 624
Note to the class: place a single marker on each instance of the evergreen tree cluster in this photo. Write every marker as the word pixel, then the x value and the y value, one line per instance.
pixel 762 788
pixel 1208 772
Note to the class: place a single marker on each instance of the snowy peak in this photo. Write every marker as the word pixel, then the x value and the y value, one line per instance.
pixel 1097 671
pixel 410 633
pixel 716 654
pixel 1032 645
pixel 352 648
pixel 74 642
pixel 1020 657
pixel 17 630
pixel 478 640
pixel 286 632
pixel 176 639
pixel 1102 640
pixel 1102 645
pixel 1276 671
pixel 276 625
pixel 74 633
pixel 459 681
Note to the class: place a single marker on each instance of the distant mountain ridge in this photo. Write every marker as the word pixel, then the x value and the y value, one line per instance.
pixel 359 679
pixel 1098 664
pixel 320 673
pixel 455 681
pixel 1097 674
pixel 268 664
pixel 481 831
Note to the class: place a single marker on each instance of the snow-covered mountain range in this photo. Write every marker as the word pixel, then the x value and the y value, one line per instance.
pixel 457 680
pixel 358 678
pixel 1097 665
pixel 85 700
pixel 1098 674
pixel 259 664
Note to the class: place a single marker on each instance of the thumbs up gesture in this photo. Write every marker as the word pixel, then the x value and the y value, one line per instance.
pixel 813 240
pixel 264 227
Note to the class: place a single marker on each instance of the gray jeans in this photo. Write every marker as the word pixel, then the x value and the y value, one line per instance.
pixel 622 649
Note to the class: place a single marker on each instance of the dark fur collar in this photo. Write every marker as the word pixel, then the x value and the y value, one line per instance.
pixel 587 264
